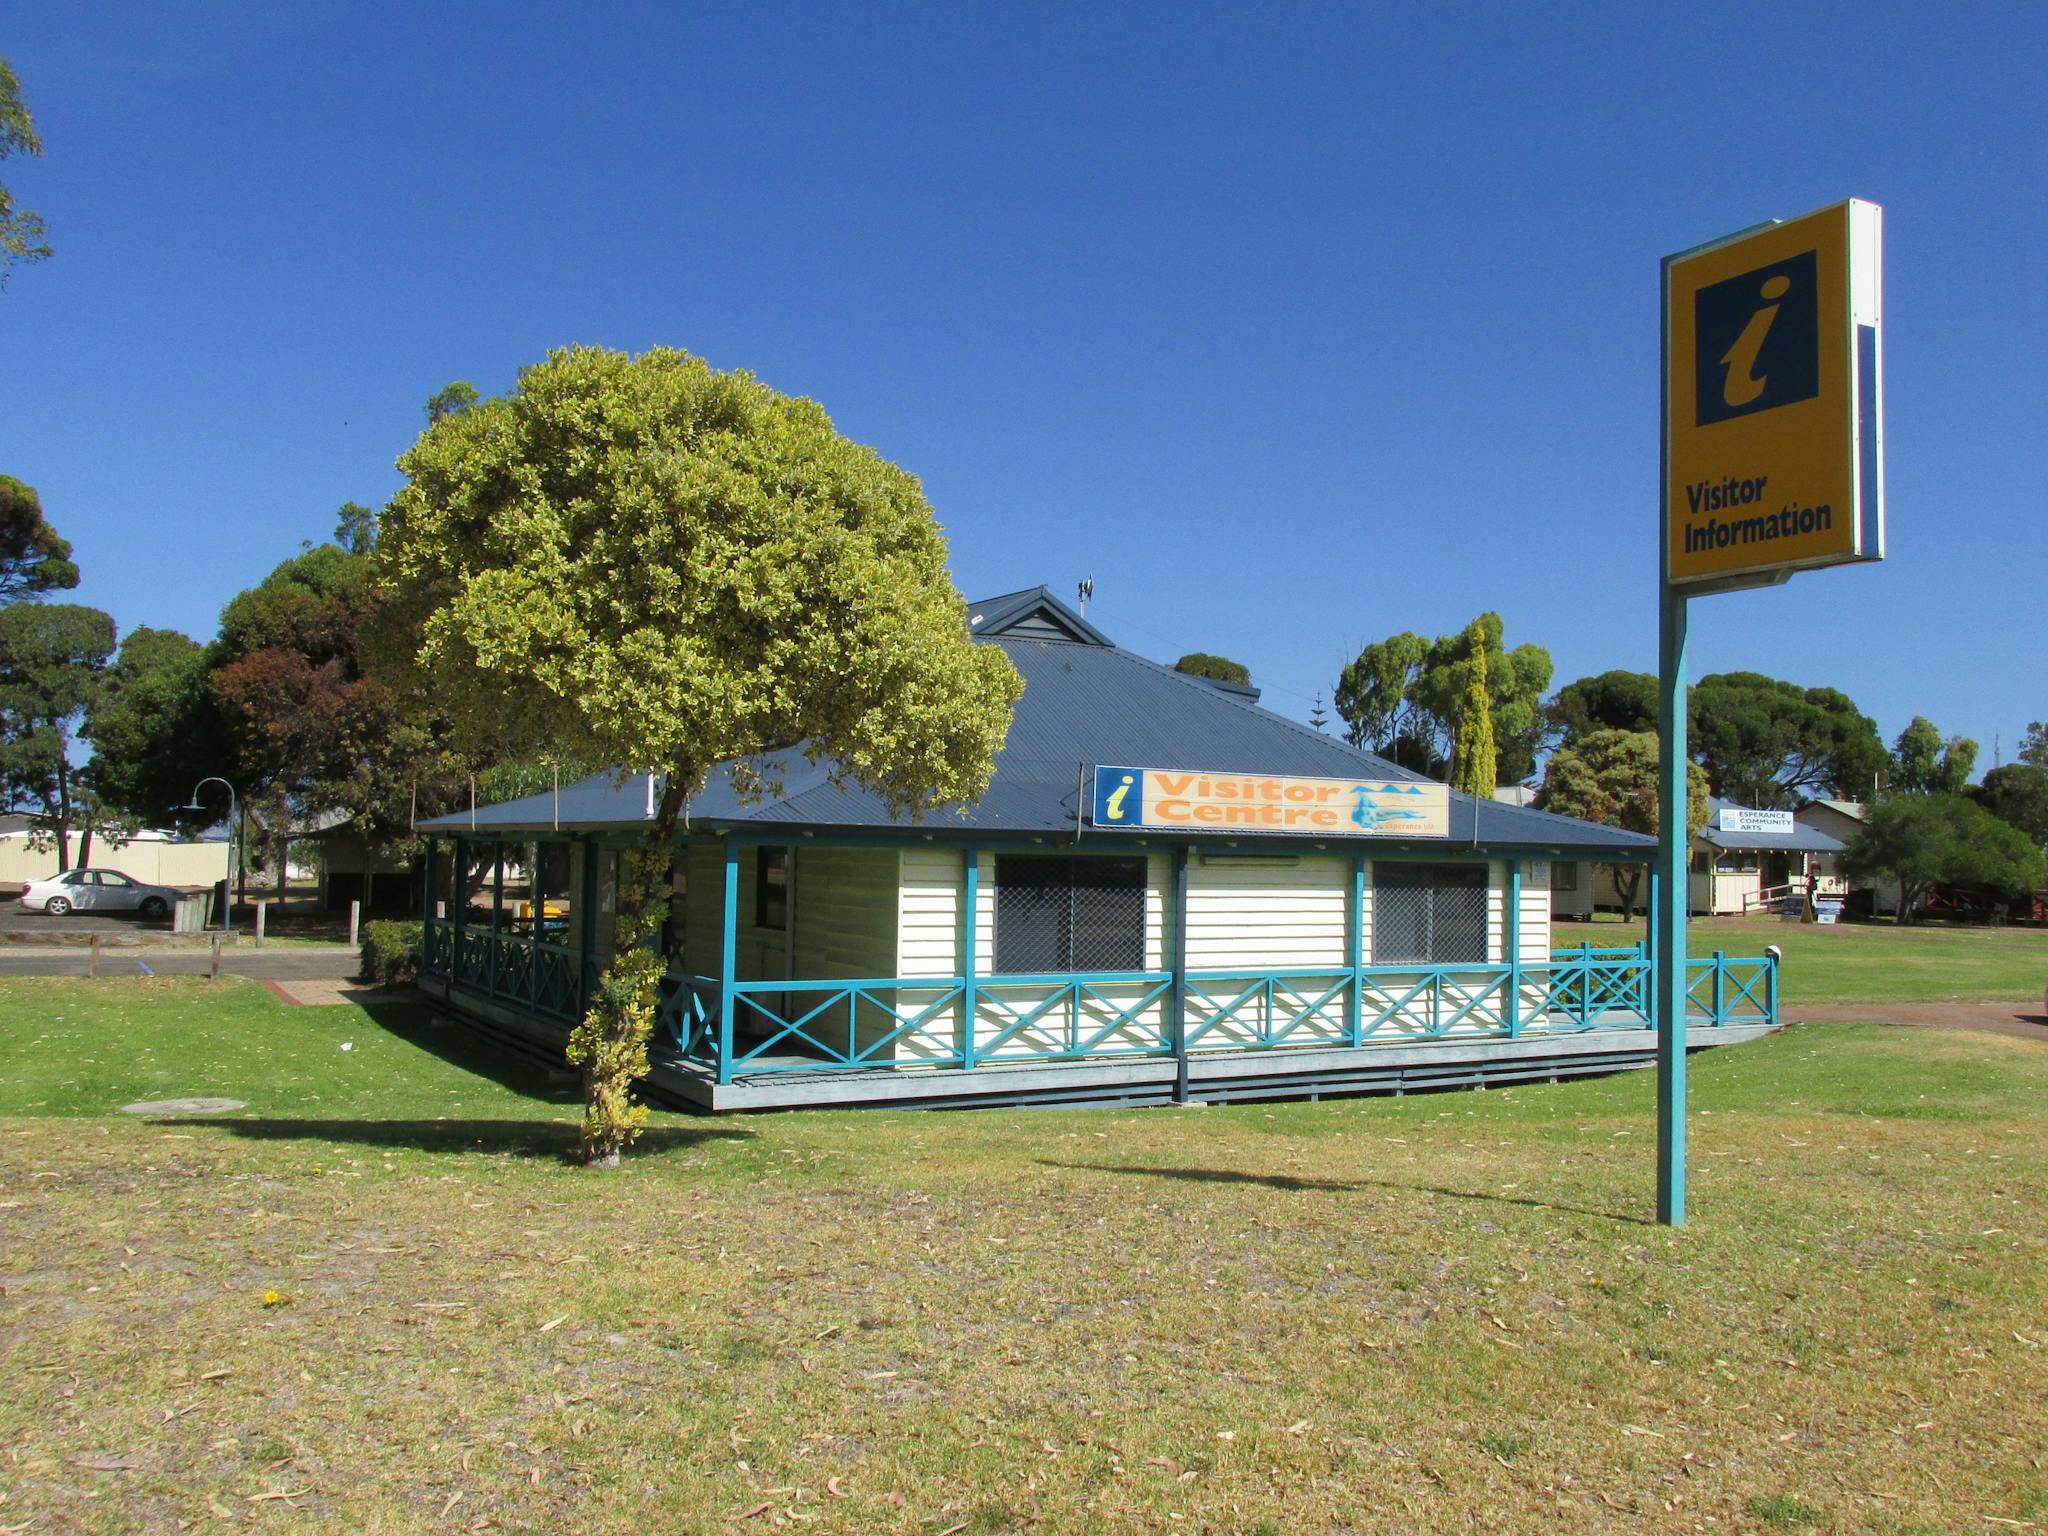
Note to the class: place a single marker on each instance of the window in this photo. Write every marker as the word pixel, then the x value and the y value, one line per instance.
pixel 1564 875
pixel 1055 913
pixel 112 881
pixel 1428 914
pixel 771 888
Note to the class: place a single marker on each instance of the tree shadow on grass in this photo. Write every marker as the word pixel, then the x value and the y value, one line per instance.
pixel 519 1069
pixel 1288 1181
pixel 541 1139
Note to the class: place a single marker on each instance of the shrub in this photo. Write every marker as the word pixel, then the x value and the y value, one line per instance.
pixel 391 952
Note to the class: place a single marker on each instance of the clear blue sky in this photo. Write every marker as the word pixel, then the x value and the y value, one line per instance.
pixel 1293 326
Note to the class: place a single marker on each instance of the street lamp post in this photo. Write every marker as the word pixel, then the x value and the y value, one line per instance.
pixel 227 887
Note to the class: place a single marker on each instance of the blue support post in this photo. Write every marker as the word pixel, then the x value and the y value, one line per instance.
pixel 728 959
pixel 1354 949
pixel 970 940
pixel 1180 975
pixel 1512 1009
pixel 587 927
pixel 1671 865
pixel 497 911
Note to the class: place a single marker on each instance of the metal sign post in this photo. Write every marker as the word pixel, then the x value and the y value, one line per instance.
pixel 1773 462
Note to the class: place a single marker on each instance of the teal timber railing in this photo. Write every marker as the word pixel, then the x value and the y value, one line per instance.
pixel 837 1025
pixel 896 1021
pixel 543 978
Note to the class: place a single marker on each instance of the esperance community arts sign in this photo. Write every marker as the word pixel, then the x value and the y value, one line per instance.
pixel 1189 800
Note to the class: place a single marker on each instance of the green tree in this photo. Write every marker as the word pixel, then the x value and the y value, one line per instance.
pixel 1474 761
pixel 155 729
pixel 52 657
pixel 21 232
pixel 1403 697
pixel 1375 698
pixel 1926 840
pixel 1318 716
pixel 356 528
pixel 1610 701
pixel 672 568
pixel 1610 777
pixel 1767 743
pixel 2034 745
pixel 450 400
pixel 1922 763
pixel 2017 794
pixel 33 558
pixel 1220 668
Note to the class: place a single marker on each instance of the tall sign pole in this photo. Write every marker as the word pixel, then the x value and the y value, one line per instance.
pixel 1773 462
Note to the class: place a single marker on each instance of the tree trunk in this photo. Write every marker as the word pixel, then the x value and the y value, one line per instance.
pixel 1626 888
pixel 609 1046
pixel 85 847
pixel 63 817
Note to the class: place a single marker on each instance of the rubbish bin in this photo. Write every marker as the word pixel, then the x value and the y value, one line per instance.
pixel 189 916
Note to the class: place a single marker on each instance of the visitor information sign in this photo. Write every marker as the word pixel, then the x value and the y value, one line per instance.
pixel 1774 392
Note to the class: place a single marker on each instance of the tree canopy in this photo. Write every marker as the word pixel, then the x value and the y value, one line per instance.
pixel 1474 761
pixel 2017 794
pixel 1403 697
pixel 670 567
pixel 52 657
pixel 1610 701
pixel 1610 777
pixel 153 729
pixel 21 232
pixel 1922 763
pixel 33 558
pixel 1221 668
pixel 1765 742
pixel 1925 840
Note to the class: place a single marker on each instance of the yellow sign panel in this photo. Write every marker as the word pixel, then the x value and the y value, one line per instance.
pixel 1163 799
pixel 1774 398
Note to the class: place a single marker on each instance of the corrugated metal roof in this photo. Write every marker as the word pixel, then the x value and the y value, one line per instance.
pixel 1801 839
pixel 1085 702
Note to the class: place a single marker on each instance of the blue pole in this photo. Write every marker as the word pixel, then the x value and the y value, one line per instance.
pixel 1354 949
pixel 728 959
pixel 969 944
pixel 1180 974
pixel 1512 1012
pixel 1669 977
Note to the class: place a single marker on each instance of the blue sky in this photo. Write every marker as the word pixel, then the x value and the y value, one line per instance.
pixel 1292 326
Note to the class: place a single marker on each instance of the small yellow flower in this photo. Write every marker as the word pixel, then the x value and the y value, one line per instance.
pixel 273 1298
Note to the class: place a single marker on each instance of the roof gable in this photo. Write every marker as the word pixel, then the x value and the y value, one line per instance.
pixel 1033 614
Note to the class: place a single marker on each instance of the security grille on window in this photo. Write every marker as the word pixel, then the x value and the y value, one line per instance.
pixel 1069 914
pixel 1428 914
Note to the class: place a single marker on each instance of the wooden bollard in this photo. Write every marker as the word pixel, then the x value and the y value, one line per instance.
pixel 262 907
pixel 355 925
pixel 93 966
pixel 213 971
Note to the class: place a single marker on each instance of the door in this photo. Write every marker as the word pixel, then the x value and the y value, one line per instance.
pixel 114 892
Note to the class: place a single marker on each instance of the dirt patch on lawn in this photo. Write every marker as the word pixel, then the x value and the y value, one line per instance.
pixel 2023 1020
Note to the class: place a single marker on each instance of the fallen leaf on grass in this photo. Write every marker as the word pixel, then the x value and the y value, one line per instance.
pixel 832 1487
pixel 896 1499
pixel 761 1508
pixel 550 1327
pixel 1637 1429
pixel 294 1493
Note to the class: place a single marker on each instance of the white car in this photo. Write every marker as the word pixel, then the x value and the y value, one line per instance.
pixel 96 890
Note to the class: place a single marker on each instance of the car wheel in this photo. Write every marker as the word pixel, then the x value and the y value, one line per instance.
pixel 57 906
pixel 154 908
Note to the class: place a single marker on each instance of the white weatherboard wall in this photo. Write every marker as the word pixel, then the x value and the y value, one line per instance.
pixel 930 930
pixel 842 925
pixel 1268 913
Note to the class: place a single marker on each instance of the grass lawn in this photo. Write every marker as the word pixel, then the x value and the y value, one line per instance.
pixel 1864 962
pixel 379 1299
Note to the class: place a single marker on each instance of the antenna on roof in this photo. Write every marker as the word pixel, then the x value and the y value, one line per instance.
pixel 1086 590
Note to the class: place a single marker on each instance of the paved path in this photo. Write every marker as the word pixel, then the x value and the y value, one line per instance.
pixel 2026 1021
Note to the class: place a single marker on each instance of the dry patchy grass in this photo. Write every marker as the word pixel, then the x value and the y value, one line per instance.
pixel 1426 1314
